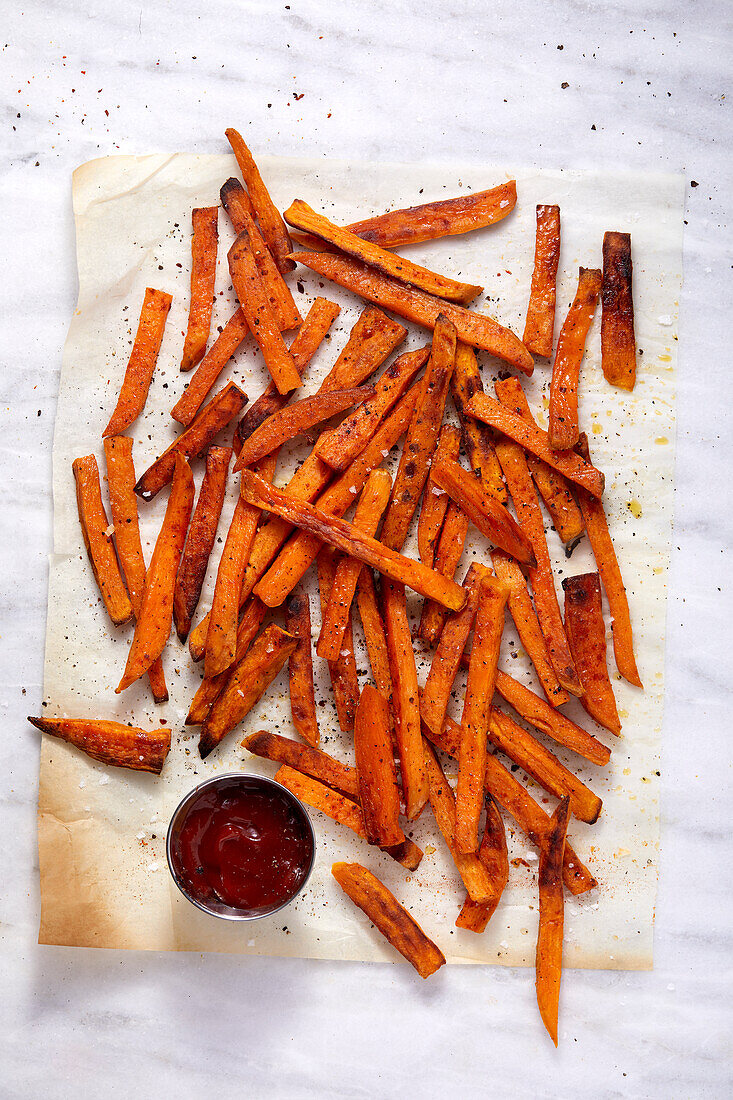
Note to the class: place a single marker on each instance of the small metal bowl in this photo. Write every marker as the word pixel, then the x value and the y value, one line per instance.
pixel 215 907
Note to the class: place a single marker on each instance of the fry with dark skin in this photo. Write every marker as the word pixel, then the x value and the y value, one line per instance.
pixel 204 244
pixel 618 342
pixel 374 632
pixel 342 670
pixel 206 373
pixel 94 526
pixel 465 382
pixel 435 500
pixel 211 687
pixel 111 742
pixel 379 793
pixel 405 698
pixel 306 759
pixel 494 855
pixel 447 556
pixel 586 633
pixel 563 428
pixel 141 364
pixel 548 963
pixel 268 216
pixel 539 327
pixel 300 667
pixel 550 721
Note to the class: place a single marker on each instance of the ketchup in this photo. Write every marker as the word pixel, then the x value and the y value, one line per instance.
pixel 242 843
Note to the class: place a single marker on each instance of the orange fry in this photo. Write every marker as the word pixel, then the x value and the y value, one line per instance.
pixel 550 721
pixel 111 742
pixel 206 373
pixel 343 669
pixel 435 500
pixel 204 244
pixel 374 632
pixel 494 855
pixel 586 633
pixel 300 666
pixel 563 417
pixel 539 327
pixel 268 216
pixel 141 364
pixel 618 342
pixel 448 555
pixel 548 962
pixel 375 766
pixel 94 527
pixel 306 759
pixel 211 687
pixel 464 383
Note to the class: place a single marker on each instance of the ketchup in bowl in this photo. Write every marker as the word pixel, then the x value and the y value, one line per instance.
pixel 240 846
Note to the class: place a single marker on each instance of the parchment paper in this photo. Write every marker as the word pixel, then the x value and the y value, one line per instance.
pixel 104 879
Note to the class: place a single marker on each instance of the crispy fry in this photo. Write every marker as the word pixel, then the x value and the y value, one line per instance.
pixel 375 766
pixel 246 685
pixel 204 244
pixel 268 216
pixel 306 759
pixel 209 369
pixel 548 963
pixel 487 633
pixel 392 920
pixel 195 440
pixel 539 327
pixel 608 567
pixel 476 329
pixel 372 339
pixel 563 417
pixel 447 557
pixel 374 632
pixel 300 215
pixel 343 669
pixel 533 439
pixel 211 687
pixel 337 613
pixel 465 382
pixel 111 742
pixel 494 855
pixel 300 666
pixel 94 527
pixel 618 342
pixel 141 364
pixel 586 633
pixel 153 624
pixel 338 448
pixel 435 500
pixel 550 721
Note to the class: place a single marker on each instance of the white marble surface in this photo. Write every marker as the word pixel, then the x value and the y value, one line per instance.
pixel 646 88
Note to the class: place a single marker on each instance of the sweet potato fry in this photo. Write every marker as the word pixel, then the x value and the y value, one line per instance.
pixel 141 364
pixel 123 505
pixel 533 439
pixel 337 613
pixel 211 687
pixel 246 684
pixel 600 539
pixel 586 633
pixel 342 670
pixel 563 414
pixel 195 440
pixel 372 340
pixel 374 632
pixel 392 920
pixel 448 555
pixel 153 624
pixel 548 962
pixel 111 742
pixel 435 500
pixel 209 369
pixel 200 539
pixel 94 526
pixel 539 327
pixel 487 633
pixel 300 666
pixel 465 382
pixel 300 215
pixel 422 436
pixel 477 329
pixel 494 855
pixel 550 721
pixel 268 216
pixel 236 202
pixel 618 342
pixel 484 511
pixel 339 447
pixel 375 766
pixel 204 244
pixel 306 759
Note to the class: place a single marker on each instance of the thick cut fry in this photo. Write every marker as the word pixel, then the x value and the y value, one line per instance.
pixel 477 709
pixel 476 329
pixel 268 216
pixel 392 920
pixel 539 327
pixel 375 766
pixel 405 698
pixel 494 855
pixel 374 632
pixel 618 342
pixel 153 624
pixel 246 685
pixel 435 500
pixel 236 202
pixel 548 964
pixel 586 633
pixel 123 505
pixel 209 369
pixel 342 670
pixel 607 562
pixel 563 414
pixel 111 742
pixel 550 721
pixel 194 441
pixel 300 215
pixel 94 527
pixel 338 448
pixel 306 759
pixel 465 382
pixel 534 440
pixel 211 687
pixel 448 555
pixel 141 364
pixel 204 244
pixel 300 667
pixel 484 511
pixel 337 614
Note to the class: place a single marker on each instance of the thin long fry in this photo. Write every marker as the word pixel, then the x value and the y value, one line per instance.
pixel 405 698
pixel 204 244
pixel 539 328
pixel 268 216
pixel 153 624
pixel 374 632
pixel 548 963
pixel 94 527
pixel 343 669
pixel 300 667
pixel 141 364
pixel 586 633
pixel 550 721
pixel 494 855
pixel 372 339
pixel 476 329
pixel 206 373
pixel 306 759
pixel 618 342
pixel 563 414
pixel 111 742
pixel 435 500
pixel 211 687
pixel 378 791
pixel 465 382
pixel 447 557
